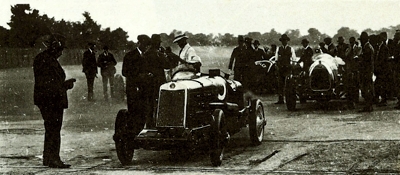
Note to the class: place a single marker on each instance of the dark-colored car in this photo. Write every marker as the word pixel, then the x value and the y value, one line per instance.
pixel 197 112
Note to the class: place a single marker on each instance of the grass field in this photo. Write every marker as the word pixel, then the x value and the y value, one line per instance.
pixel 16 85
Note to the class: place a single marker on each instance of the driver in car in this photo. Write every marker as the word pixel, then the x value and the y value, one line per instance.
pixel 188 59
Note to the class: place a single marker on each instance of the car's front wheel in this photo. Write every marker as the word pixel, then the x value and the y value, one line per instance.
pixel 257 122
pixel 219 137
pixel 123 145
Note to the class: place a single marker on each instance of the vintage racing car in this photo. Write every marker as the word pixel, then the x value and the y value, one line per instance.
pixel 195 112
pixel 322 83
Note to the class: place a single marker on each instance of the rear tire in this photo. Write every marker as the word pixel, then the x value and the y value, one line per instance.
pixel 257 122
pixel 123 145
pixel 219 137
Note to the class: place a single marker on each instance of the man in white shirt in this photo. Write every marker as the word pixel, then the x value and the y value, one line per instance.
pixel 187 54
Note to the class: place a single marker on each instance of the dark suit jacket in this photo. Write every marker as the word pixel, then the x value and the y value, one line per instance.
pixel 89 63
pixel 366 64
pixel 382 60
pixel 238 57
pixel 107 63
pixel 49 87
pixel 332 50
pixel 306 57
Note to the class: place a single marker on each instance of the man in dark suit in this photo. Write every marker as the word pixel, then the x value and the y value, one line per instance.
pixel 89 65
pixel 332 50
pixel 366 69
pixel 107 63
pixel 382 72
pixel 135 68
pixel 259 54
pixel 351 74
pixel 306 57
pixel 237 60
pixel 155 64
pixel 50 95
pixel 396 60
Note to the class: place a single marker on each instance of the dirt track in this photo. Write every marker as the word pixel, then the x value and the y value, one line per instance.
pixel 308 140
pixel 315 139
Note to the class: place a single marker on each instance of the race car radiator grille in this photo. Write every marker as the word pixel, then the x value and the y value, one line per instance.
pixel 320 79
pixel 171 109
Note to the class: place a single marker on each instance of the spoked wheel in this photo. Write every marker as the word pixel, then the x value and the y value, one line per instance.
pixel 219 137
pixel 257 122
pixel 123 145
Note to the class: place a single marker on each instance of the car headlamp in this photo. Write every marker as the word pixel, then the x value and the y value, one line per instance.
pixel 172 86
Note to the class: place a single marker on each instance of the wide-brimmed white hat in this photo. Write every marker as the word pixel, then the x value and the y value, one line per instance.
pixel 178 36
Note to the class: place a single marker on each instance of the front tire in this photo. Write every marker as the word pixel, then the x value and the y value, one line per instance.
pixel 219 137
pixel 123 145
pixel 257 122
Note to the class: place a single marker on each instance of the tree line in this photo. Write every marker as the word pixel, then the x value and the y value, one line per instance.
pixel 27 28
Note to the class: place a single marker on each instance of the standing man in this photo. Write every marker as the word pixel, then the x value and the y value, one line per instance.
pixel 135 69
pixel 284 55
pixel 89 65
pixel 341 53
pixel 332 50
pixel 237 60
pixel 155 64
pixel 259 54
pixel 306 57
pixel 382 72
pixel 50 95
pixel 351 74
pixel 395 48
pixel 341 48
pixel 107 63
pixel 366 69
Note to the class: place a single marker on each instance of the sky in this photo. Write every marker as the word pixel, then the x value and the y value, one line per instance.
pixel 219 16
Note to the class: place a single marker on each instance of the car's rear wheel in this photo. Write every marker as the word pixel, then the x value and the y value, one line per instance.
pixel 257 122
pixel 123 145
pixel 219 137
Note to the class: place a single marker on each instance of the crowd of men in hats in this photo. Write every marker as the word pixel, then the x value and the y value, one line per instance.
pixel 372 55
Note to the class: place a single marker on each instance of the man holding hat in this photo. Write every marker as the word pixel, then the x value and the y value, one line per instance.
pixel 366 69
pixel 283 56
pixel 107 63
pixel 50 95
pixel 89 65
pixel 135 68
pixel 238 57
pixel 187 53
